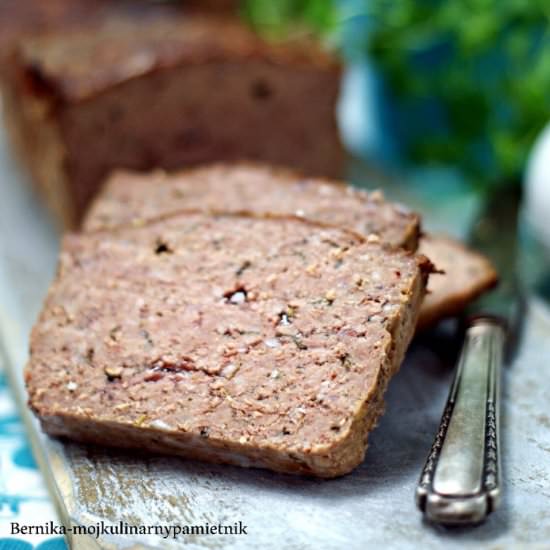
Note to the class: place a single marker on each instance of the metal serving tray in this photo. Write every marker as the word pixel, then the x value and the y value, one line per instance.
pixel 371 508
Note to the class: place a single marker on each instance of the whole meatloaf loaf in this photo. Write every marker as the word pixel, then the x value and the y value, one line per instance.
pixel 264 342
pixel 128 197
pixel 145 93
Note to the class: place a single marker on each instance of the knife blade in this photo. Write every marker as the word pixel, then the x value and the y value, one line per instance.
pixel 461 480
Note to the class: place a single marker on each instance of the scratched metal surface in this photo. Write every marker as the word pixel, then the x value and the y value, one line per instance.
pixel 371 508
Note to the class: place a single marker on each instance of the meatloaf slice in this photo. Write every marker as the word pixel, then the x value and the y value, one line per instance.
pixel 264 342
pixel 464 274
pixel 144 93
pixel 129 197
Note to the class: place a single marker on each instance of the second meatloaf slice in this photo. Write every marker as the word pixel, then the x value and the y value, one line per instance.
pixel 262 342
pixel 128 197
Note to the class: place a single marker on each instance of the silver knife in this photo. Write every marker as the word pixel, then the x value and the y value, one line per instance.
pixel 461 482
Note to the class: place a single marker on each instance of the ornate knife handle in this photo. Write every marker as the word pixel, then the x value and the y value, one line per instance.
pixel 460 482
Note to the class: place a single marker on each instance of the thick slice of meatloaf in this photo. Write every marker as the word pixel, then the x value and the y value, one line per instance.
pixel 129 196
pixel 465 275
pixel 263 342
pixel 166 93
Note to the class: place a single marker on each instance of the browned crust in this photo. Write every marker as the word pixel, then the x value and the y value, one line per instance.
pixel 466 274
pixel 126 48
pixel 30 128
pixel 329 460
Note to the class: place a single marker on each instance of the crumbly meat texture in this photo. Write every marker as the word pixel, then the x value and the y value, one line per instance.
pixel 264 342
pixel 130 197
pixel 465 275
pixel 205 89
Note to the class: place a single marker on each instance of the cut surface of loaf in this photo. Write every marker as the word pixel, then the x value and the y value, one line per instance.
pixel 129 197
pixel 466 274
pixel 142 93
pixel 264 342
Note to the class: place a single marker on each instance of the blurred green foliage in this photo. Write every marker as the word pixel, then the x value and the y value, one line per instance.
pixel 487 65
pixel 470 79
pixel 278 18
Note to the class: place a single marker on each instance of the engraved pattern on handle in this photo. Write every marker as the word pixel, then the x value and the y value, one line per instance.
pixel 460 482
pixel 491 450
pixel 429 467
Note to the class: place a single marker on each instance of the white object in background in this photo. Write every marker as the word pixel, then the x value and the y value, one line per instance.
pixel 534 226
pixel 537 189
